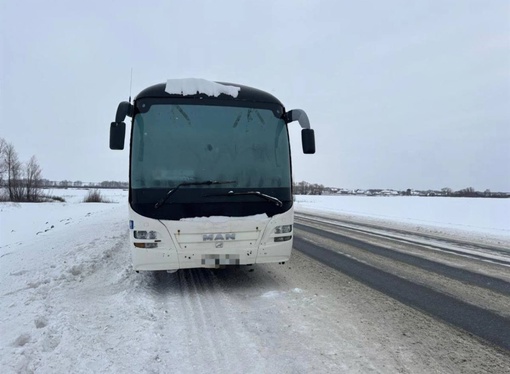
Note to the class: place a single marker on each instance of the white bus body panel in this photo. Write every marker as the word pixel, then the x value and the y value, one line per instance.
pixel 210 242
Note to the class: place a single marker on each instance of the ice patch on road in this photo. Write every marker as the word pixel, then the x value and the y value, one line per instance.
pixel 272 294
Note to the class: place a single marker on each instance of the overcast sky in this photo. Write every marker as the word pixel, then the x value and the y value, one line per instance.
pixel 401 94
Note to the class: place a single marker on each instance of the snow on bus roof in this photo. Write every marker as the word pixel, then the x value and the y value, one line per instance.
pixel 192 86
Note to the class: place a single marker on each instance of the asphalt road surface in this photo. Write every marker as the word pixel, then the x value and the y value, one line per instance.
pixel 463 284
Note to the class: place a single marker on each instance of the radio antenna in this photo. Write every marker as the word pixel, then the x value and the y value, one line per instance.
pixel 130 85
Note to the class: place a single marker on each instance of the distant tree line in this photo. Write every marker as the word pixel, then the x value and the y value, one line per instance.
pixel 79 184
pixel 465 192
pixel 470 192
pixel 305 188
pixel 22 180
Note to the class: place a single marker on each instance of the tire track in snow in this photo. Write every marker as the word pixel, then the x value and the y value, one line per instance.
pixel 228 330
pixel 170 307
pixel 206 336
pixel 202 343
pixel 199 339
pixel 214 326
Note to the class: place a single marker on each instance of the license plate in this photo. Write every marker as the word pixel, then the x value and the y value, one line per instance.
pixel 213 260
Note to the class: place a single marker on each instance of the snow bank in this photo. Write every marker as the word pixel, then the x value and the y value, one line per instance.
pixel 26 221
pixel 192 86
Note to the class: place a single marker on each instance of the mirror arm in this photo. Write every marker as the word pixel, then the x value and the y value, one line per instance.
pixel 124 109
pixel 300 116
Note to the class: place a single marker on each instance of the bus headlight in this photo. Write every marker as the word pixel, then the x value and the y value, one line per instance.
pixel 144 235
pixel 283 229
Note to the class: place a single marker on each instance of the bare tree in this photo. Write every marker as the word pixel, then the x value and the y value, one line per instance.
pixel 467 192
pixel 316 189
pixel 3 167
pixel 22 182
pixel 33 180
pixel 447 191
pixel 13 169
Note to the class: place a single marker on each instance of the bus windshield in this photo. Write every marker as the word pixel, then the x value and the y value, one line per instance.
pixel 174 144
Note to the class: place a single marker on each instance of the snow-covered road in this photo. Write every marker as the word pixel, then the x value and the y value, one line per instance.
pixel 71 303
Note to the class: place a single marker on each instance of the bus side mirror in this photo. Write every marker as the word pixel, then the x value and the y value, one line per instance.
pixel 117 135
pixel 308 141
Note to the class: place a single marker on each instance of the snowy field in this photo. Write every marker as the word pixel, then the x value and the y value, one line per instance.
pixel 70 302
pixel 20 222
pixel 464 217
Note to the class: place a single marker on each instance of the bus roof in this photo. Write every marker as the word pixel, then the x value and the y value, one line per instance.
pixel 246 93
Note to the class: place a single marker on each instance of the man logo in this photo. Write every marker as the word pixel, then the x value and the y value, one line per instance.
pixel 218 245
pixel 219 236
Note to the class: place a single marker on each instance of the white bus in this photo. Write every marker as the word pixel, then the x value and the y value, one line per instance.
pixel 210 175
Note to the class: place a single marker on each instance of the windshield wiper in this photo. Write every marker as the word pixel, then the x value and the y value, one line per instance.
pixel 170 192
pixel 272 199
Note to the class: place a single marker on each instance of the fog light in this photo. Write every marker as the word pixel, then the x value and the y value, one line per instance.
pixel 146 245
pixel 282 238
